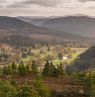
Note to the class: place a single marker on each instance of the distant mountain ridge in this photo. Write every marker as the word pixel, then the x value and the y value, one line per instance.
pixel 13 27
pixel 80 25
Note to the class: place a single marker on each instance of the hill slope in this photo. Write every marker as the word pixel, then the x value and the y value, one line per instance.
pixel 80 25
pixel 85 61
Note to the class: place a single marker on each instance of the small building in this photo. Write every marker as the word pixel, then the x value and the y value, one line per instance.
pixel 65 58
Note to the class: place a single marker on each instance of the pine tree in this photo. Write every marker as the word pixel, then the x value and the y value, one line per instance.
pixel 7 70
pixel 34 69
pixel 13 67
pixel 52 69
pixel 27 91
pixel 27 68
pixel 7 90
pixel 46 70
pixel 22 70
pixel 41 88
pixel 60 70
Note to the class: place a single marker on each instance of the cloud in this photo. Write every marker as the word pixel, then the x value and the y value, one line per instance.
pixel 45 3
pixel 1 1
pixel 46 7
pixel 86 0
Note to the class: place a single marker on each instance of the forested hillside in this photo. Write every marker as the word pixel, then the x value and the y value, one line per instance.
pixel 85 61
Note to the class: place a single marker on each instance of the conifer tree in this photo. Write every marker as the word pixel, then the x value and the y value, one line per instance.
pixel 60 69
pixel 13 67
pixel 34 68
pixel 27 91
pixel 46 70
pixel 41 88
pixel 22 70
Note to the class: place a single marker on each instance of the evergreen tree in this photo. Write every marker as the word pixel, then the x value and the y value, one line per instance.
pixel 41 88
pixel 89 83
pixel 46 70
pixel 56 72
pixel 7 70
pixel 27 91
pixel 34 68
pixel 22 70
pixel 27 68
pixel 60 55
pixel 60 70
pixel 7 90
pixel 14 67
pixel 52 69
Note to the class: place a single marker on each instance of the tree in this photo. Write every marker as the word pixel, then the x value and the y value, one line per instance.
pixel 60 70
pixel 41 88
pixel 27 91
pixel 34 69
pixel 60 55
pixel 14 67
pixel 22 70
pixel 7 70
pixel 52 69
pixel 89 84
pixel 7 90
pixel 46 70
pixel 27 68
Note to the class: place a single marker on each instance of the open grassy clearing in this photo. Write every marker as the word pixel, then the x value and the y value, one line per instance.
pixel 44 54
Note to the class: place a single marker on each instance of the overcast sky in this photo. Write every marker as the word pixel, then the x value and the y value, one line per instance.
pixel 46 7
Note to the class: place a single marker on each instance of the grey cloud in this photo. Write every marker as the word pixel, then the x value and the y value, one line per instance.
pixel 1 6
pixel 91 7
pixel 44 2
pixel 86 0
pixel 16 5
pixel 47 3
pixel 1 1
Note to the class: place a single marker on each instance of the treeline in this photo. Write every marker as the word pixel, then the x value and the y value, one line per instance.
pixel 24 70
pixel 20 40
pixel 20 69
pixel 53 71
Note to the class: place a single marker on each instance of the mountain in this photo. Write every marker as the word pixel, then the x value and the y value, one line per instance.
pixel 85 61
pixel 79 25
pixel 38 21
pixel 11 28
pixel 13 25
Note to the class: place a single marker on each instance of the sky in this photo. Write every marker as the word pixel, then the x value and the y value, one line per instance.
pixel 46 7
